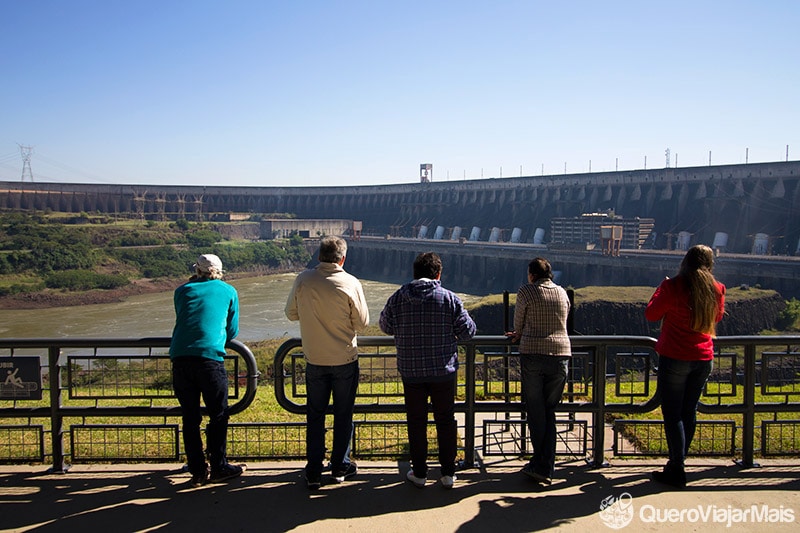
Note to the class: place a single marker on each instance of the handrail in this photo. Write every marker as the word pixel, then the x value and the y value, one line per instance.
pixel 597 345
pixel 57 411
pixel 747 351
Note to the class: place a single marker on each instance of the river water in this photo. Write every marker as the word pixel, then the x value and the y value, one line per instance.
pixel 261 303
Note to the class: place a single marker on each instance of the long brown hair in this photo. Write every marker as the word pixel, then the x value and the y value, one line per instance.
pixel 704 296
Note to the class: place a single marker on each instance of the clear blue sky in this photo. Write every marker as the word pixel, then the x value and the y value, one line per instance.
pixel 306 92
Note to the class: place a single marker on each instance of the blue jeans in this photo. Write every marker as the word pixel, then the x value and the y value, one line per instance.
pixel 322 381
pixel 680 384
pixel 193 377
pixel 543 380
pixel 442 395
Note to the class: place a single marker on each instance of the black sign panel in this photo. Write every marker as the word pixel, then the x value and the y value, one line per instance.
pixel 20 378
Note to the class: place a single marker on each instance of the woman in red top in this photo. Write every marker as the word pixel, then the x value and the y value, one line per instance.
pixel 689 306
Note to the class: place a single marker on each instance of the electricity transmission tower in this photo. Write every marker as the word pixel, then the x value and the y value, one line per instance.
pixel 25 152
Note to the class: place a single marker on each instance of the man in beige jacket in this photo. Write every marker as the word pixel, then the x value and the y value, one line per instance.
pixel 330 305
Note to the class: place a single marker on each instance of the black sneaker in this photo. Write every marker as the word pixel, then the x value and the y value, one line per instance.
pixel 226 472
pixel 536 476
pixel 313 481
pixel 198 480
pixel 340 475
pixel 675 479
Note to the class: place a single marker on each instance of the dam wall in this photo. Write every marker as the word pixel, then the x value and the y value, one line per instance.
pixel 741 201
pixel 488 268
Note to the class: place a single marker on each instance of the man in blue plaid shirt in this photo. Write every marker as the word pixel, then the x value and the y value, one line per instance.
pixel 427 322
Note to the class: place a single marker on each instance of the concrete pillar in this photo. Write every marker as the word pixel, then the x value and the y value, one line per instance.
pixel 701 191
pixel 621 199
pixel 636 193
pixel 778 190
pixel 738 190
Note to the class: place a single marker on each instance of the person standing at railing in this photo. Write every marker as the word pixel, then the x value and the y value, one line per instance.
pixel 689 306
pixel 331 308
pixel 427 322
pixel 206 318
pixel 540 327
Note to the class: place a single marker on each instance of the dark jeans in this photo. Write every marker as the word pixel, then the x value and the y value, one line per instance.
pixel 193 377
pixel 680 384
pixel 543 379
pixel 442 395
pixel 322 381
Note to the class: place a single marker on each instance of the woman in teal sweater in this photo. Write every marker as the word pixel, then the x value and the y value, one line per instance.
pixel 206 318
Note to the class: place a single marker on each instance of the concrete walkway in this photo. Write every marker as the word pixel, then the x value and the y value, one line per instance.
pixel 273 497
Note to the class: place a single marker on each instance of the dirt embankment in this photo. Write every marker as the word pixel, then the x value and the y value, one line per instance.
pixel 57 298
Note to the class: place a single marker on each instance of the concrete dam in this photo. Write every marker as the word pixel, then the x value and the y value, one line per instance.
pixel 742 202
pixel 737 200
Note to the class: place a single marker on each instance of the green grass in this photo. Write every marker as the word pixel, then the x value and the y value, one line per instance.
pixel 643 294
pixel 633 295
pixel 613 294
pixel 28 281
pixel 647 438
pixel 491 299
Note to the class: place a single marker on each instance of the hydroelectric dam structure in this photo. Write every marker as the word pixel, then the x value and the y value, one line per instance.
pixel 743 202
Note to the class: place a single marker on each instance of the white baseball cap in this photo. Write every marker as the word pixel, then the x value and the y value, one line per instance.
pixel 206 262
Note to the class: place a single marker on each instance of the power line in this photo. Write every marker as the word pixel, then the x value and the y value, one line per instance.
pixel 9 157
pixel 64 166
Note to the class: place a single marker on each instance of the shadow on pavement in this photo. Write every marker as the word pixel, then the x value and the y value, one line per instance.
pixel 273 497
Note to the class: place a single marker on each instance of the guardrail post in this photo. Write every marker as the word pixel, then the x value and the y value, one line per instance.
pixel 506 359
pixel 749 412
pixel 469 414
pixel 599 412
pixel 56 419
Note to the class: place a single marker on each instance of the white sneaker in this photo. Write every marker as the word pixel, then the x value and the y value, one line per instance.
pixel 418 482
pixel 448 481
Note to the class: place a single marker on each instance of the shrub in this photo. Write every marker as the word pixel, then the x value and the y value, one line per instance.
pixel 164 269
pixel 164 261
pixel 48 257
pixel 789 318
pixel 202 238
pixel 84 280
pixel 18 288
pixel 137 238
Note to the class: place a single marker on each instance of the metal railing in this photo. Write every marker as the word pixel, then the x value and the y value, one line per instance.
pixel 775 366
pixel 81 366
pixel 750 403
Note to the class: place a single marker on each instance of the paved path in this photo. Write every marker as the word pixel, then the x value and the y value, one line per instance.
pixel 272 497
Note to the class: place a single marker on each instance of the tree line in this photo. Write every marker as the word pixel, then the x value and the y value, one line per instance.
pixel 77 253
